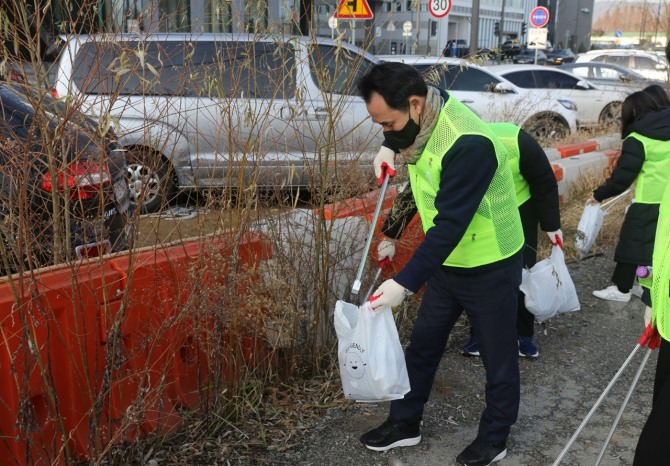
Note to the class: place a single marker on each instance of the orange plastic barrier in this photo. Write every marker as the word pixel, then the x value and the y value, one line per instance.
pixel 578 148
pixel 360 206
pixel 613 156
pixel 105 352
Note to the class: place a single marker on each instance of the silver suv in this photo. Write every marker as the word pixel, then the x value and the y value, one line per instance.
pixel 223 110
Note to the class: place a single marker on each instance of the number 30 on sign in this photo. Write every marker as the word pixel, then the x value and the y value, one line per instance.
pixel 439 8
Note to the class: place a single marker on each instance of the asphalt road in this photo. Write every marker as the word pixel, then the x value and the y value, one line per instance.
pixel 580 352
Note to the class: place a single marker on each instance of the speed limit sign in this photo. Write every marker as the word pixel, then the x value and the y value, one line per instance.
pixel 439 8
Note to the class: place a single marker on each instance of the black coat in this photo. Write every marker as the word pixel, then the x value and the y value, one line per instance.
pixel 636 239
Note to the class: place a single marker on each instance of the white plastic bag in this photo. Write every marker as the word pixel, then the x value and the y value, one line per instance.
pixel 590 223
pixel 548 287
pixel 372 361
pixel 588 229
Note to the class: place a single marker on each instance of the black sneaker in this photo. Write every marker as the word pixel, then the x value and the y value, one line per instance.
pixel 482 453
pixel 392 434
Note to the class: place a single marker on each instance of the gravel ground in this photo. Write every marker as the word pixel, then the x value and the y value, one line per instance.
pixel 579 354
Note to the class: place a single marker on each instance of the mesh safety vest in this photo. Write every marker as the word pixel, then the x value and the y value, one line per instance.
pixel 660 287
pixel 508 134
pixel 495 232
pixel 653 178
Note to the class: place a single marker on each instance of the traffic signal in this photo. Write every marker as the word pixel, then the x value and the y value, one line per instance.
pixel 523 29
pixel 496 28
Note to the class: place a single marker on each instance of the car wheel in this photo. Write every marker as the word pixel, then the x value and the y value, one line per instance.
pixel 150 179
pixel 547 129
pixel 611 115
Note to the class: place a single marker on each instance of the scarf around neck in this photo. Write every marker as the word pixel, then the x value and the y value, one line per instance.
pixel 428 119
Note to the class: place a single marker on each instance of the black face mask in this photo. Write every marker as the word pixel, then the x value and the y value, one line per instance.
pixel 404 138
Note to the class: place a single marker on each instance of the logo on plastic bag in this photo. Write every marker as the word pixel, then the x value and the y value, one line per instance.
pixel 353 361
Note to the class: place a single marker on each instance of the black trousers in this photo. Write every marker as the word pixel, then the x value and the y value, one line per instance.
pixel 651 449
pixel 490 301
pixel 525 325
pixel 624 276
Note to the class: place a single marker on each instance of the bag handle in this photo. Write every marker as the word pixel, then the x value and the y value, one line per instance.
pixel 610 203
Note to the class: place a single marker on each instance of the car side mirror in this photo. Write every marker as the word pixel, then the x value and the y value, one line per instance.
pixel 625 77
pixel 502 88
pixel 581 84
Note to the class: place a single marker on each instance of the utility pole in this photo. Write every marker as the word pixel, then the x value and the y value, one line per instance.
pixel 474 27
pixel 502 25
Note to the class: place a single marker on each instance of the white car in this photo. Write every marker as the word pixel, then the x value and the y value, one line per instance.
pixel 595 106
pixel 495 99
pixel 651 65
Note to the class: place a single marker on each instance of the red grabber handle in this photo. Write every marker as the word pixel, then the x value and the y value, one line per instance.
pixel 384 262
pixel 559 242
pixel 650 337
pixel 386 170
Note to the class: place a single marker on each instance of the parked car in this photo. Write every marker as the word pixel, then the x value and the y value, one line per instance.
pixel 649 64
pixel 560 56
pixel 529 56
pixel 494 98
pixel 63 188
pixel 610 75
pixel 456 48
pixel 223 110
pixel 595 106
pixel 509 48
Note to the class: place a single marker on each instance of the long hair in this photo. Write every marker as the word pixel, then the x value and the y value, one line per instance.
pixel 634 107
pixel 659 94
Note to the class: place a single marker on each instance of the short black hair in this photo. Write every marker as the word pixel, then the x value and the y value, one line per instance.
pixel 395 82
pixel 634 107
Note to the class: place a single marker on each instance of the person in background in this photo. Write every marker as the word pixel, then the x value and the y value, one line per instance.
pixel 656 431
pixel 470 258
pixel 537 197
pixel 645 161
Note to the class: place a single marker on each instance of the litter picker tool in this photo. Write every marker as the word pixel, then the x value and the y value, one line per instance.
pixel 382 192
pixel 650 337
pixel 382 264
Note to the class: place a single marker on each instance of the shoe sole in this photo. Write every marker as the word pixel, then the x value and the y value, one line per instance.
pixel 500 456
pixel 470 355
pixel 406 442
pixel 529 356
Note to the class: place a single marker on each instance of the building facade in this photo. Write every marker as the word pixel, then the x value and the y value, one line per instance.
pixel 398 26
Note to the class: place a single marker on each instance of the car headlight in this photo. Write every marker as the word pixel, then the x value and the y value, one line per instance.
pixel 569 104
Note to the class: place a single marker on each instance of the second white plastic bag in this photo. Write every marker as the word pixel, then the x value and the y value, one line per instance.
pixel 548 287
pixel 371 359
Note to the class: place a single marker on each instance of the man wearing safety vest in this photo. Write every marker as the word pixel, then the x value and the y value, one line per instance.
pixel 470 258
pixel 537 197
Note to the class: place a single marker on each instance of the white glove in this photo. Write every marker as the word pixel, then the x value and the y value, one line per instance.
pixel 592 200
pixel 556 237
pixel 385 249
pixel 389 294
pixel 384 162
pixel 647 316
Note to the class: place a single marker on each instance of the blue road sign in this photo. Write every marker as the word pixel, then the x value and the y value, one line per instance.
pixel 618 33
pixel 539 17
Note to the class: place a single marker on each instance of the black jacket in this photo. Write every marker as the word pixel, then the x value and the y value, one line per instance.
pixel 636 239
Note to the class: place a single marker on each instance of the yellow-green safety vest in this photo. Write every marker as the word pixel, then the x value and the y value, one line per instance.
pixel 495 231
pixel 660 286
pixel 653 178
pixel 508 134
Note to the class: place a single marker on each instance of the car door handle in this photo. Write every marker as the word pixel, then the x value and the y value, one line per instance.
pixel 320 113
pixel 467 101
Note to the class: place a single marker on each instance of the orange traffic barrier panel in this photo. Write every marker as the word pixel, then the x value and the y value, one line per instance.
pixel 87 352
pixel 558 171
pixel 359 206
pixel 578 148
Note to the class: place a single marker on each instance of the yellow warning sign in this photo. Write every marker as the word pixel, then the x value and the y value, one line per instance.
pixel 353 9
